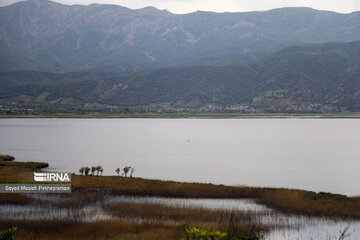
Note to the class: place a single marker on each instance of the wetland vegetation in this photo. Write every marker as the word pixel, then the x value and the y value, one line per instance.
pixel 115 207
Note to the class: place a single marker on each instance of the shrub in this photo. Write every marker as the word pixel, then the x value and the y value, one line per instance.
pixel 6 157
pixel 8 234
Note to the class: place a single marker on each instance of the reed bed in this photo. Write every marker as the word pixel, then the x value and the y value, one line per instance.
pixel 312 204
pixel 72 213
pixel 288 201
pixel 67 229
pixel 15 198
pixel 29 165
pixel 85 215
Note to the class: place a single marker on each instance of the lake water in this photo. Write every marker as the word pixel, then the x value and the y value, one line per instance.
pixel 313 154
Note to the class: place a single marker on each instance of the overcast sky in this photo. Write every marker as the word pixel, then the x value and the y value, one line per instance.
pixel 186 6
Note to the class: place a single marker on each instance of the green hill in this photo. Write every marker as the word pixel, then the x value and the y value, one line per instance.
pixel 308 78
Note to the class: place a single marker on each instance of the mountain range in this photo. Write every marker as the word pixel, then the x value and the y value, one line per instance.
pixel 48 36
pixel 282 60
pixel 313 78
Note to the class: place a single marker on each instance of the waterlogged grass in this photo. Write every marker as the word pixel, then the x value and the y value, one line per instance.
pixel 285 200
pixel 243 223
pixel 67 229
pixel 288 201
pixel 85 209
pixel 85 214
pixel 59 217
pixel 15 198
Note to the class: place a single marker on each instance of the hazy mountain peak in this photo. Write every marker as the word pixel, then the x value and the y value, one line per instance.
pixel 151 10
pixel 44 2
pixel 57 37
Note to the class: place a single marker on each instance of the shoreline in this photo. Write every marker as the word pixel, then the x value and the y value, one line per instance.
pixel 288 201
pixel 117 210
pixel 189 116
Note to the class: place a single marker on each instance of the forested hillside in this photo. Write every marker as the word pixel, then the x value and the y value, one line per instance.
pixel 307 78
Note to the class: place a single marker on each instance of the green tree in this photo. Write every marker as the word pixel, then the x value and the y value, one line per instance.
pixel 86 171
pixel 117 171
pixel 97 168
pixel 93 169
pixel 81 170
pixel 132 170
pixel 126 170
pixel 100 169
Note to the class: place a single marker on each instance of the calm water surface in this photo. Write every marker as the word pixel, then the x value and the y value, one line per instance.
pixel 314 154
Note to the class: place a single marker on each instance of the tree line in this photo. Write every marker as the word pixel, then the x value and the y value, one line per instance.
pixel 96 170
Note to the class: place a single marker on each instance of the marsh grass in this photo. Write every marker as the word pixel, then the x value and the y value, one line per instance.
pixel 287 201
pixel 67 229
pixel 146 187
pixel 124 228
pixel 215 219
pixel 312 204
pixel 15 198
pixel 30 165
pixel 63 215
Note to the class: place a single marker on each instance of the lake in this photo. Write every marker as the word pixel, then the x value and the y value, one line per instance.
pixel 312 154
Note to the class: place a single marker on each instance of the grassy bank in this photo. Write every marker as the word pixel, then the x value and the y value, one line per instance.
pixel 289 201
pixel 154 220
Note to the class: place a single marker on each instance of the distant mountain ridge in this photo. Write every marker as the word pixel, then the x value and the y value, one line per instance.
pixel 48 36
pixel 307 78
